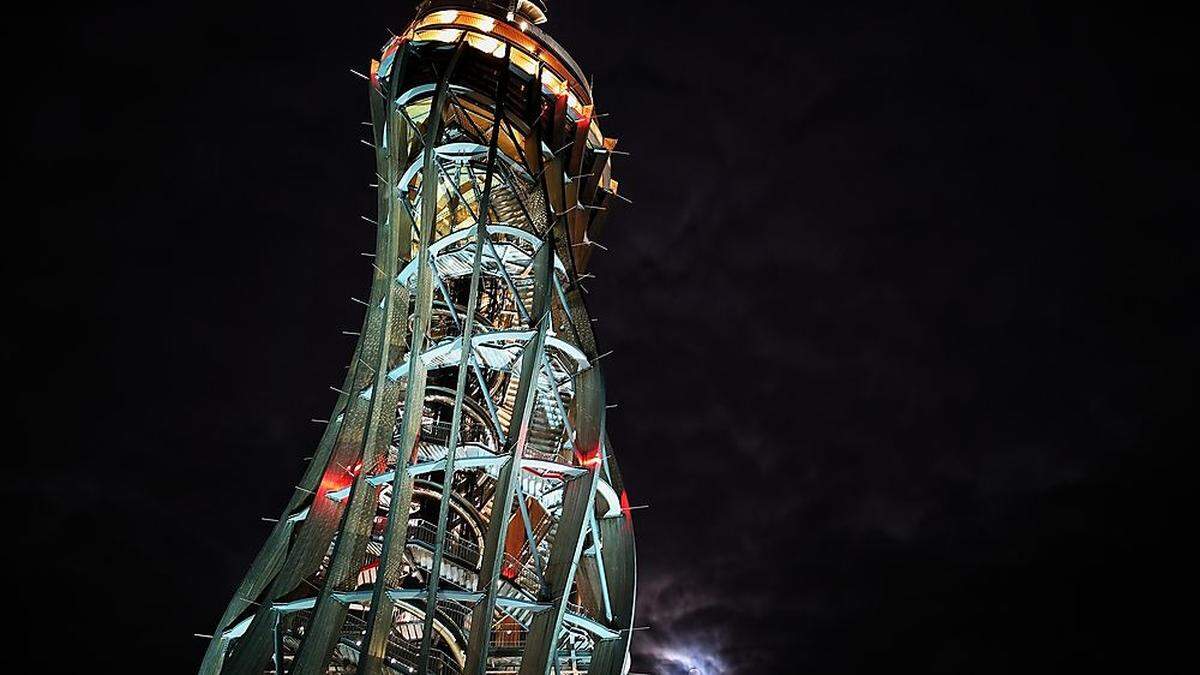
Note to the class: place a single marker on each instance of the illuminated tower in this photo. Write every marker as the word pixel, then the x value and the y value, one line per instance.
pixel 463 511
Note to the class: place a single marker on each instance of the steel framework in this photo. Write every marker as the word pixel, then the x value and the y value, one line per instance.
pixel 462 512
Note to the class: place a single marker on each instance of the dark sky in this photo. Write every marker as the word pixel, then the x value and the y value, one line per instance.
pixel 903 318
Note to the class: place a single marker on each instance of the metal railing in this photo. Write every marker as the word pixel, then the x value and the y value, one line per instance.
pixel 521 574
pixel 580 610
pixel 457 612
pixel 509 638
pixel 454 546
pixel 435 432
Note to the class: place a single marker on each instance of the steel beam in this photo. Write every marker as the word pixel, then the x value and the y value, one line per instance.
pixel 481 234
pixel 379 618
pixel 481 617
pixel 578 500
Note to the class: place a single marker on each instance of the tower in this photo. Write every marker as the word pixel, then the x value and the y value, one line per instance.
pixel 462 512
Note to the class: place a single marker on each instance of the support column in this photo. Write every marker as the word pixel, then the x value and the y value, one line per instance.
pixel 579 496
pixel 481 234
pixel 379 618
pixel 493 554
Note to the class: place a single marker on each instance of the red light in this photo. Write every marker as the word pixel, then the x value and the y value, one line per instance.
pixel 590 459
pixel 391 47
pixel 337 478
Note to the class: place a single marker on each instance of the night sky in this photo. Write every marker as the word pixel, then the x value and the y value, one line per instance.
pixel 903 320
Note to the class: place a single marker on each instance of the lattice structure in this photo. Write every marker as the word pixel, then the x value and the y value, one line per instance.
pixel 463 512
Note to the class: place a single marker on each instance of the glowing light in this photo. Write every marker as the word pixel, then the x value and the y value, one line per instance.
pixel 443 16
pixel 484 43
pixel 333 480
pixel 508 571
pixel 438 35
pixel 523 46
pixel 524 61
pixel 551 82
pixel 590 458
